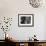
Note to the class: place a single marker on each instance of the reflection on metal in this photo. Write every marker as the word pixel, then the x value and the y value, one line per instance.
pixel 36 3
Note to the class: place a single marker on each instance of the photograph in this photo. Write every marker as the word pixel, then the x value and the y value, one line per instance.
pixel 25 20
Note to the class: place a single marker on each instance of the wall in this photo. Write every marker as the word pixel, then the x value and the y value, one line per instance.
pixel 11 8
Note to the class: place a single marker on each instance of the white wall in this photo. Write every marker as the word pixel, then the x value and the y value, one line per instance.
pixel 11 8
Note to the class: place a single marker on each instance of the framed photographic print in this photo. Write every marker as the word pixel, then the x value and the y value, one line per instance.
pixel 25 20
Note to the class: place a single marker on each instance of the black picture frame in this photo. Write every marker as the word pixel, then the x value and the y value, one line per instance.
pixel 28 22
